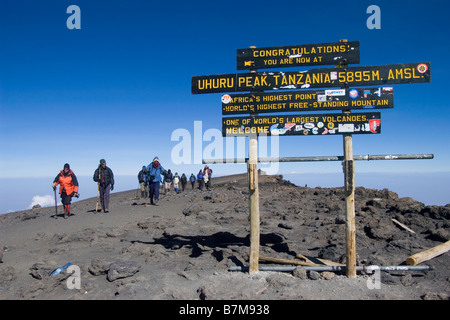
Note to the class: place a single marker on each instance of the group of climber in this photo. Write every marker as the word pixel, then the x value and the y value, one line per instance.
pixel 169 179
pixel 68 186
pixel 150 179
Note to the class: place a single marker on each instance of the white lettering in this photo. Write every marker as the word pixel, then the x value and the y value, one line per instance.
pixel 74 21
pixel 374 21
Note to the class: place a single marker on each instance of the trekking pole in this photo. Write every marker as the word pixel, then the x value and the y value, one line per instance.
pixel 137 191
pixel 98 196
pixel 56 204
pixel 98 188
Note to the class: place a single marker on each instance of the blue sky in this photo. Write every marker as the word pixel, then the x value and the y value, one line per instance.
pixel 120 87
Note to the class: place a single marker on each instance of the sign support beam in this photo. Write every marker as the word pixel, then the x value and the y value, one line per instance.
pixel 367 157
pixel 254 204
pixel 349 187
pixel 254 200
pixel 349 176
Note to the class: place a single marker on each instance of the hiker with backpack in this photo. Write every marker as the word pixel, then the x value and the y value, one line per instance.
pixel 155 171
pixel 176 181
pixel 192 179
pixel 183 181
pixel 200 179
pixel 142 177
pixel 104 177
pixel 207 172
pixel 68 187
pixel 168 179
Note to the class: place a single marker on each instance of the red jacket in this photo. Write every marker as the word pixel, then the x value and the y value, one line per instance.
pixel 67 182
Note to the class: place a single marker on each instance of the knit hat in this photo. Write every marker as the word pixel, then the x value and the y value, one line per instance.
pixel 102 161
pixel 155 159
pixel 67 166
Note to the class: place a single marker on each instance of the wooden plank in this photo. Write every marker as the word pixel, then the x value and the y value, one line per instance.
pixel 300 256
pixel 428 254
pixel 402 225
pixel 287 261
pixel 322 261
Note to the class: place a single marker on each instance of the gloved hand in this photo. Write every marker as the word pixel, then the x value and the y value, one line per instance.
pixel 112 187
pixel 54 187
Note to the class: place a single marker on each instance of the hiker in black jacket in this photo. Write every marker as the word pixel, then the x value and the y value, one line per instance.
pixel 183 181
pixel 104 176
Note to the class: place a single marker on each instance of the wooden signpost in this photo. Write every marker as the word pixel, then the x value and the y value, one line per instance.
pixel 349 190
pixel 341 97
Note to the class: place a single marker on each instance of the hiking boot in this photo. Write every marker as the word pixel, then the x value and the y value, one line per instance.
pixel 156 202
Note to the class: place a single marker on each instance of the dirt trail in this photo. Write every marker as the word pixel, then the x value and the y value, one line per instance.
pixel 183 248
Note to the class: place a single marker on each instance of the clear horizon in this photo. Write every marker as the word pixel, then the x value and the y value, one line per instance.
pixel 420 186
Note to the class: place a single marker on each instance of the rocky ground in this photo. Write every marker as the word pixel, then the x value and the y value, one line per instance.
pixel 183 248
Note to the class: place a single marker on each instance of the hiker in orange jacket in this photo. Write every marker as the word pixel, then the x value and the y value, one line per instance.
pixel 68 187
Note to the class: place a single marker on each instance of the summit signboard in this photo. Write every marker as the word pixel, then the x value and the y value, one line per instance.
pixel 298 55
pixel 314 78
pixel 249 93
pixel 303 125
pixel 309 100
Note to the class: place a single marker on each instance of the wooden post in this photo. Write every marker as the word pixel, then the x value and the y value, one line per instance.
pixel 254 204
pixel 254 200
pixel 349 187
pixel 349 175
